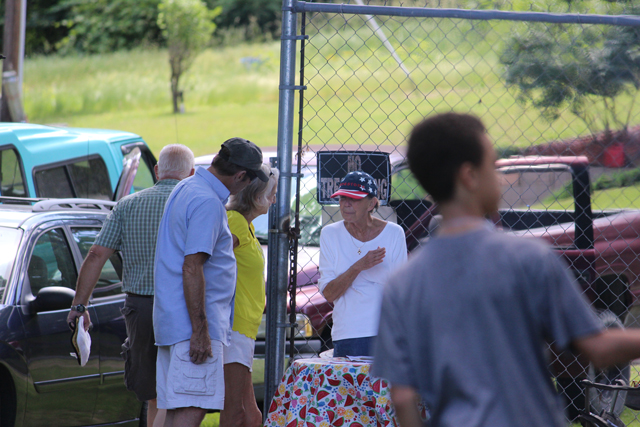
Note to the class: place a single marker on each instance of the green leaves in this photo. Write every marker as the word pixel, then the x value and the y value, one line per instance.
pixel 569 66
pixel 187 26
pixel 100 26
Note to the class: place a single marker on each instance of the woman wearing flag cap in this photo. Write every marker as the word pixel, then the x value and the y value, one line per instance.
pixel 357 256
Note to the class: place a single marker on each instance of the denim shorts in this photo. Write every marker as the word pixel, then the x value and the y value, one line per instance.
pixel 353 347
pixel 181 383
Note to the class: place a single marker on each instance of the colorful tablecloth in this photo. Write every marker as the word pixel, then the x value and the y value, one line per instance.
pixel 331 392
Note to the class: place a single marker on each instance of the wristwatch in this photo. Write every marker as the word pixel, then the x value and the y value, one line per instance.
pixel 80 308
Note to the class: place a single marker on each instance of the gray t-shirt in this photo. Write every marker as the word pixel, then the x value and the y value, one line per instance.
pixel 466 321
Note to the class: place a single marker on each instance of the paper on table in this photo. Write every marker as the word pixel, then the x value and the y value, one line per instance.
pixel 367 359
pixel 81 342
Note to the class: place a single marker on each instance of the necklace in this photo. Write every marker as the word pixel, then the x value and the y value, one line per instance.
pixel 354 243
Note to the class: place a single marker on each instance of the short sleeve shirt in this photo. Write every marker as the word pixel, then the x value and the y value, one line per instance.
pixel 194 220
pixel 132 227
pixel 250 289
pixel 466 322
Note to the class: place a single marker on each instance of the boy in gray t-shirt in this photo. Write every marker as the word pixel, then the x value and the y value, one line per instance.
pixel 465 321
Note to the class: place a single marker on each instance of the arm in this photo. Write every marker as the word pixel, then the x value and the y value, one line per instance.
pixel 610 347
pixel 405 400
pixel 194 294
pixel 338 286
pixel 89 275
pixel 236 241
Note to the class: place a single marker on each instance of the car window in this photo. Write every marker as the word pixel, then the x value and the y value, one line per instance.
pixel 110 280
pixel 144 177
pixel 536 189
pixel 408 198
pixel 84 178
pixel 9 241
pixel 51 262
pixel 11 176
pixel 405 186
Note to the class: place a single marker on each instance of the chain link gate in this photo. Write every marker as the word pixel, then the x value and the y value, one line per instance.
pixel 550 84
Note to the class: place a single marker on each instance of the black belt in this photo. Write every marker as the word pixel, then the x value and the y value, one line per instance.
pixel 131 294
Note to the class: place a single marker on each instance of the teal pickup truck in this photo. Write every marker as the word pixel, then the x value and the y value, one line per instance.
pixel 39 161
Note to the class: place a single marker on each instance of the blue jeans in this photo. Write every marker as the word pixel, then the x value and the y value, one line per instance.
pixel 353 347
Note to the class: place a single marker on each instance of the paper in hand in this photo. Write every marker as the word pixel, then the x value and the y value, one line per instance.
pixel 81 342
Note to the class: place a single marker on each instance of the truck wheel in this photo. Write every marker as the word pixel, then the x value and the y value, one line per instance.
pixel 7 400
pixel 602 399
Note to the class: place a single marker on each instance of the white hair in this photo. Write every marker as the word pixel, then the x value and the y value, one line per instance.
pixel 175 161
pixel 256 194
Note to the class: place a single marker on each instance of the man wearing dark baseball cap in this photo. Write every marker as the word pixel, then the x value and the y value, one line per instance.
pixel 195 280
pixel 246 154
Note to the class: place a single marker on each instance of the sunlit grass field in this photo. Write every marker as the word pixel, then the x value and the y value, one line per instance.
pixel 356 93
pixel 613 198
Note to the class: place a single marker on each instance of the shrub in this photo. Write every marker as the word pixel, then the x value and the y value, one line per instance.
pixel 99 26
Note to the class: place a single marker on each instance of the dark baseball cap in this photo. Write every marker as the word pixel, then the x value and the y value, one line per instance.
pixel 244 153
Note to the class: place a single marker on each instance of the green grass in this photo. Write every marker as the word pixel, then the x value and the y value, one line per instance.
pixel 614 198
pixel 211 420
pixel 201 128
pixel 356 92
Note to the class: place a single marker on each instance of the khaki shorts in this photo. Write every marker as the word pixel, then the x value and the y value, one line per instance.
pixel 181 383
pixel 240 350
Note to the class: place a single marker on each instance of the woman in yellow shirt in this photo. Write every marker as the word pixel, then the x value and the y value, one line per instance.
pixel 240 408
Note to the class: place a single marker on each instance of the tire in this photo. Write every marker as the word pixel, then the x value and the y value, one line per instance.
pixel 601 399
pixel 7 400
pixel 143 414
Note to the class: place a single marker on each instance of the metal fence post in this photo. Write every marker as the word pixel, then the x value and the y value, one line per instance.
pixel 277 278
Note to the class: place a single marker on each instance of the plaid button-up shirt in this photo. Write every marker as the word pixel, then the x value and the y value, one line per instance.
pixel 132 227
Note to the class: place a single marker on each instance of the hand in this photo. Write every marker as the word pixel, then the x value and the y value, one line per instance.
pixel 73 315
pixel 200 347
pixel 371 259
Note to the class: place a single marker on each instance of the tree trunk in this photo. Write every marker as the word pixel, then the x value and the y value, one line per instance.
pixel 175 92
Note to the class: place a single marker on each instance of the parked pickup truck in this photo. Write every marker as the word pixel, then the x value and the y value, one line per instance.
pixel 39 161
pixel 543 197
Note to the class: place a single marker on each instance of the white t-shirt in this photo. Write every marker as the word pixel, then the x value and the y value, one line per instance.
pixel 356 313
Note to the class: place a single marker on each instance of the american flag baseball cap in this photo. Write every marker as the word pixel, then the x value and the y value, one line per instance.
pixel 357 185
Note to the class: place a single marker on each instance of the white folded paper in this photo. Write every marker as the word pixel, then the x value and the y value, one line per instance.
pixel 81 342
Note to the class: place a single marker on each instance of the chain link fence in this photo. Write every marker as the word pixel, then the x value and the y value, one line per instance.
pixel 559 85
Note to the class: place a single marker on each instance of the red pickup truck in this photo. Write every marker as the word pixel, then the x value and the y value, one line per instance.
pixel 600 247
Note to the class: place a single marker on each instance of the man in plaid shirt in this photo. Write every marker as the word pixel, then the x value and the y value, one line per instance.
pixel 132 228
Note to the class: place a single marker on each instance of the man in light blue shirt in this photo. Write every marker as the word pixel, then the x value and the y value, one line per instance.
pixel 195 277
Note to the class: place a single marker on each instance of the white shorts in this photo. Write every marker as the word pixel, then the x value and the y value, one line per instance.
pixel 240 350
pixel 180 383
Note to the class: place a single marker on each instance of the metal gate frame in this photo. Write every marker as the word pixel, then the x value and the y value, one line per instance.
pixel 280 232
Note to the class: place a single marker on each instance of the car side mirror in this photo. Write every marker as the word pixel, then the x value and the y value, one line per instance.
pixel 52 298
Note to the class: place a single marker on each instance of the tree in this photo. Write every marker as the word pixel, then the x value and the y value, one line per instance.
pixel 187 25
pixel 558 66
pixel 99 26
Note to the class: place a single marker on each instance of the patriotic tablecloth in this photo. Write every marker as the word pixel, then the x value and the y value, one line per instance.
pixel 331 392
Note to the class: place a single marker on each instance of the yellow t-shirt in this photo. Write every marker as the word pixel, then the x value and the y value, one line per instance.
pixel 250 289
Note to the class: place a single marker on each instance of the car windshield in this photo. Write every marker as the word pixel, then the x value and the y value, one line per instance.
pixel 310 218
pixel 537 189
pixel 9 241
